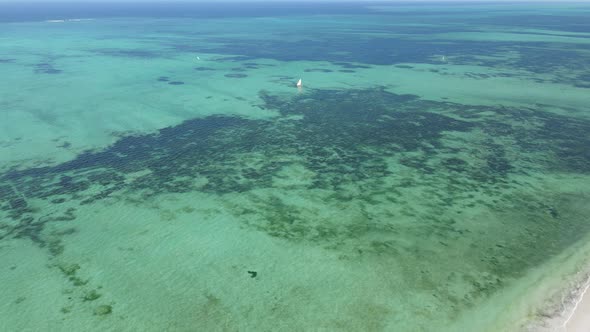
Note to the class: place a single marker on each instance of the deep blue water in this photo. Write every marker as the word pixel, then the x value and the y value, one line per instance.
pixel 453 11
pixel 45 11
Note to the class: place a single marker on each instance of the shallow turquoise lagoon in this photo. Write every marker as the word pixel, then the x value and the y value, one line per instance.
pixel 160 171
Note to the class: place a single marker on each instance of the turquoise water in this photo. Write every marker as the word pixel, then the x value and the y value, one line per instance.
pixel 159 170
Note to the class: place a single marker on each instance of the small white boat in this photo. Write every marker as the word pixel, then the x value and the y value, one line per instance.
pixel 299 84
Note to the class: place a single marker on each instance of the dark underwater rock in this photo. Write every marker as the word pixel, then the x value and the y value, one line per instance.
pixel 236 75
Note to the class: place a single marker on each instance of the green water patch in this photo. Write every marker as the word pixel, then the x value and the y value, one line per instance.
pixel 369 174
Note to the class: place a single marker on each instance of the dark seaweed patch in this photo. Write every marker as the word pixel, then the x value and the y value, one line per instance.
pixel 340 50
pixel 103 310
pixel 46 68
pixel 582 81
pixel 236 75
pixel 347 71
pixel 65 145
pixel 254 65
pixel 344 139
pixel 330 116
pixel 163 79
pixel 476 76
pixel 91 296
pixel 176 83
pixel 455 164
pixel 361 52
pixel 350 65
pixel 128 53
pixel 318 70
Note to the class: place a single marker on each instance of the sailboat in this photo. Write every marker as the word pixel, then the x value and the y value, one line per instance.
pixel 299 84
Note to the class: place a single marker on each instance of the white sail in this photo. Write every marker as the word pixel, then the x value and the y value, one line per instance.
pixel 299 83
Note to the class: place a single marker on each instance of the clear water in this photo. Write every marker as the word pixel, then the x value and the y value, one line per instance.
pixel 159 170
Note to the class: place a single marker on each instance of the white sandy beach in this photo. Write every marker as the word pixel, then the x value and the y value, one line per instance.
pixel 579 321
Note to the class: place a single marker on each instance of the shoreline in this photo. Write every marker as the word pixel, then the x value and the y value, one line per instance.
pixel 567 310
pixel 577 318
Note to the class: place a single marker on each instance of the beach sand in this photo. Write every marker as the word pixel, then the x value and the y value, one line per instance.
pixel 579 321
pixel 561 303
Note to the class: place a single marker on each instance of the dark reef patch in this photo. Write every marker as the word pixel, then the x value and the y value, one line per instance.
pixel 103 310
pixel 347 65
pixel 332 138
pixel 163 79
pixel 355 146
pixel 353 53
pixel 255 65
pixel 65 145
pixel 582 81
pixel 557 59
pixel 128 53
pixel 235 75
pixel 46 68
pixel 176 83
pixel 317 70
pixel 204 69
pixel 455 164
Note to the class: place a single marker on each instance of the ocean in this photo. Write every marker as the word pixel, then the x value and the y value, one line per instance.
pixel 161 171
